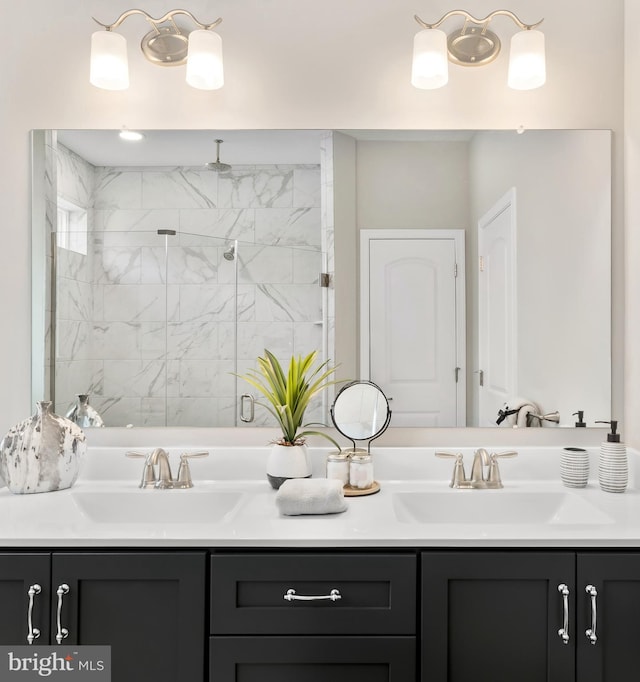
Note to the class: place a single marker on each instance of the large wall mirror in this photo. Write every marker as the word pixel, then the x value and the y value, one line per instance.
pixel 157 277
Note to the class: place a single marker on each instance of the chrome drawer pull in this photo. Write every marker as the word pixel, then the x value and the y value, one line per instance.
pixel 291 595
pixel 564 630
pixel 591 632
pixel 33 633
pixel 62 632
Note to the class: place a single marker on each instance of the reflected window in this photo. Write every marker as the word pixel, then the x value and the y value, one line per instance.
pixel 71 229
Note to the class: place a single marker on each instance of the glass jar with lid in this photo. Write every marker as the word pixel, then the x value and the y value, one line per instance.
pixel 338 466
pixel 361 470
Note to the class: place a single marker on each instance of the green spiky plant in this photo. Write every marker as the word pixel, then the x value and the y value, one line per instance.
pixel 288 394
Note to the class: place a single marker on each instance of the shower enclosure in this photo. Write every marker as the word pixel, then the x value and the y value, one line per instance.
pixel 156 326
pixel 158 285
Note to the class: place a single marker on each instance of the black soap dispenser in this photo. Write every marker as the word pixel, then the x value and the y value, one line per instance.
pixel 580 414
pixel 613 471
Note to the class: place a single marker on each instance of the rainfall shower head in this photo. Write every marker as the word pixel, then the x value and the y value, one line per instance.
pixel 217 165
pixel 230 253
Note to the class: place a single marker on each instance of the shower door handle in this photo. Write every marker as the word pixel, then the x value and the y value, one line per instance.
pixel 252 407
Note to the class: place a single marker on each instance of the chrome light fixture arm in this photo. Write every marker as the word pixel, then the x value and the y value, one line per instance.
pixel 156 22
pixel 478 22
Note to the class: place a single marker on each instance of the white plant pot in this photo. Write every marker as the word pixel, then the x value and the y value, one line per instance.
pixel 287 461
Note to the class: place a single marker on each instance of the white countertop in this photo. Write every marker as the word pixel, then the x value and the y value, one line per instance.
pixel 232 505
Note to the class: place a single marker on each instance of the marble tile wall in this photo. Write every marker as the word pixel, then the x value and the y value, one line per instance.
pixel 162 309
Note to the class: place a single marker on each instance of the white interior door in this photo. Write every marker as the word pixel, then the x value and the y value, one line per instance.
pixel 497 379
pixel 412 308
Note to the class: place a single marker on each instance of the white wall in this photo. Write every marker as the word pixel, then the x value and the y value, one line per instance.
pixel 291 64
pixel 563 209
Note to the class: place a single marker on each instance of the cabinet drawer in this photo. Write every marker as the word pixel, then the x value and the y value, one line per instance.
pixel 377 594
pixel 312 659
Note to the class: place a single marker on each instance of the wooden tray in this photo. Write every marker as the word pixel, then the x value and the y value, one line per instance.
pixel 359 492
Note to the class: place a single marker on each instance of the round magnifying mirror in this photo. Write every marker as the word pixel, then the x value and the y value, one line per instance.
pixel 361 411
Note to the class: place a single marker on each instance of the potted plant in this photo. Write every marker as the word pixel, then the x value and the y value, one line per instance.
pixel 288 395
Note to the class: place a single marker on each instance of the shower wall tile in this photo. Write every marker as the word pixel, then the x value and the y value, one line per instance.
pixel 288 227
pixel 134 220
pixel 306 187
pixel 117 265
pixel 75 177
pixel 193 265
pixel 72 265
pixel 210 302
pixel 307 337
pixel 230 223
pixel 288 303
pixel 256 187
pixel 307 266
pixel 267 264
pixel 116 188
pixel 179 188
pixel 73 340
pixel 74 299
pixel 206 378
pixel 74 377
pixel 197 339
pixel 254 337
pixel 134 378
pixel 124 340
pixel 135 303
pixel 194 412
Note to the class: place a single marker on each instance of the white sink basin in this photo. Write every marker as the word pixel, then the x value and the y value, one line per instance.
pixel 158 506
pixel 482 507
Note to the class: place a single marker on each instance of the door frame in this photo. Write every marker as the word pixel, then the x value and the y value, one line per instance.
pixel 506 202
pixel 458 238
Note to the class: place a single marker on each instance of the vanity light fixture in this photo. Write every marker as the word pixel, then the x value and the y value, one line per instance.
pixel 166 44
pixel 475 45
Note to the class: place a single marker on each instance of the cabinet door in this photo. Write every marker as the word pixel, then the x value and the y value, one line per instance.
pixel 312 659
pixel 18 573
pixel 149 607
pixel 614 655
pixel 490 616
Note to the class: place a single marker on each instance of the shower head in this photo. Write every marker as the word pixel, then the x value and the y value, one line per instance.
pixel 217 165
pixel 230 253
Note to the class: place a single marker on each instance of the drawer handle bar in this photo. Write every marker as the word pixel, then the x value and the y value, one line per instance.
pixel 33 633
pixel 62 632
pixel 291 595
pixel 591 632
pixel 564 630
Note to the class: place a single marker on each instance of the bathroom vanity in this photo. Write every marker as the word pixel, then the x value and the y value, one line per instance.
pixel 534 582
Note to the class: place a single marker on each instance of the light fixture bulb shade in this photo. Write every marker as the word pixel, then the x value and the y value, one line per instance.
pixel 204 60
pixel 430 68
pixel 527 64
pixel 109 66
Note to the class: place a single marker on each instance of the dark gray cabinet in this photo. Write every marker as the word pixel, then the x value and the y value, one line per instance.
pixel 612 652
pixel 148 606
pixel 496 616
pixel 311 617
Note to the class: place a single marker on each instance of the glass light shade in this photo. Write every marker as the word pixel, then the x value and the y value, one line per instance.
pixel 204 60
pixel 430 65
pixel 527 68
pixel 109 65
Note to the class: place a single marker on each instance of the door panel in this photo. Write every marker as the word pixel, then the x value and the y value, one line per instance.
pixel 148 607
pixel 491 616
pixel 615 656
pixel 412 328
pixel 497 309
pixel 18 572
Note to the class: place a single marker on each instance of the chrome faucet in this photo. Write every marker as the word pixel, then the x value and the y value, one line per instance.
pixel 482 461
pixel 158 460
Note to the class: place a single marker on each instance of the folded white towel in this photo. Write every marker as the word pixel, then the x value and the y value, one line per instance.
pixel 310 496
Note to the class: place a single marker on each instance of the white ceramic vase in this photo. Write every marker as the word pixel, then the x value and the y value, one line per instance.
pixel 287 461
pixel 42 453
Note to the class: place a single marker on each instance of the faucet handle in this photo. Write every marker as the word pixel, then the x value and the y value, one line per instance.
pixel 493 479
pixel 184 472
pixel 148 473
pixel 459 476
